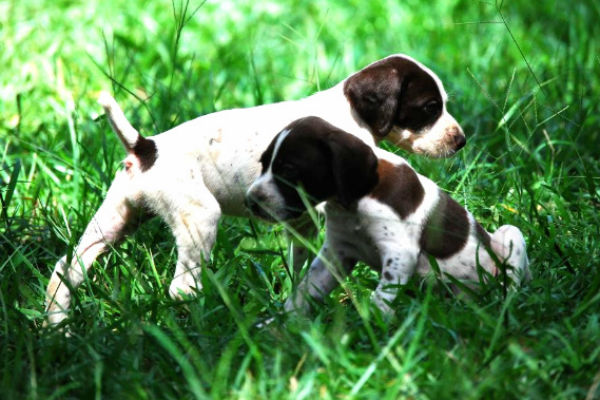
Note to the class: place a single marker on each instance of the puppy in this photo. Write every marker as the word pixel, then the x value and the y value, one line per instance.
pixel 378 210
pixel 195 172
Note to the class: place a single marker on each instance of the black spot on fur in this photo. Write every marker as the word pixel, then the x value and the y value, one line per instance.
pixel 146 152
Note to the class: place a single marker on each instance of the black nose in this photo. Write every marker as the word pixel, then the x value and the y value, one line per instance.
pixel 459 142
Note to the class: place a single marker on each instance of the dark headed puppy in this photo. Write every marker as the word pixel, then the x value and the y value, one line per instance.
pixel 379 210
pixel 325 165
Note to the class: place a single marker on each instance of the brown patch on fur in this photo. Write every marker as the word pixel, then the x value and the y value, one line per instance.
pixel 446 229
pixel 399 187
pixel 486 241
pixel 145 150
pixel 482 235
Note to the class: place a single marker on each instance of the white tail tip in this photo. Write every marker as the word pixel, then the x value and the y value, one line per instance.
pixel 105 99
pixel 127 133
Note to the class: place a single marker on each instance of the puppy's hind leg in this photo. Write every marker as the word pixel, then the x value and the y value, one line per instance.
pixel 109 223
pixel 106 227
pixel 193 215
pixel 508 242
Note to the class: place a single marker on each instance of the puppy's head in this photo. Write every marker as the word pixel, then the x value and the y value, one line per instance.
pixel 312 156
pixel 404 101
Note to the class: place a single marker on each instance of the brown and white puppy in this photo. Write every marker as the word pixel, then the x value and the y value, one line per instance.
pixel 379 211
pixel 201 169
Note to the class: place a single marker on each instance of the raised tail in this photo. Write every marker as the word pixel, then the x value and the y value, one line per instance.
pixel 142 148
pixel 128 134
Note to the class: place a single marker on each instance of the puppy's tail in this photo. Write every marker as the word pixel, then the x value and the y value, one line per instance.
pixel 128 134
pixel 142 151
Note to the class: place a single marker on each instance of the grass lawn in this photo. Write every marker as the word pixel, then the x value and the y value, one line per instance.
pixel 524 82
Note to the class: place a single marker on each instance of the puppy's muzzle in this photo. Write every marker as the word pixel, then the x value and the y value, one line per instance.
pixel 255 202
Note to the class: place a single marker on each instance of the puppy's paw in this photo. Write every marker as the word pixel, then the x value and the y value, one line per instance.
pixel 180 289
pixel 381 302
pixel 508 240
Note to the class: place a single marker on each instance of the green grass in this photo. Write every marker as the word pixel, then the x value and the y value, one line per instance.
pixel 524 82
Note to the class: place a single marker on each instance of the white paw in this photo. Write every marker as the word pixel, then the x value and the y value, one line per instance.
pixel 181 289
pixel 514 250
pixel 382 304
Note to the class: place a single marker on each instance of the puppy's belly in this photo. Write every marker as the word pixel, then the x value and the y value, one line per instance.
pixel 462 265
pixel 229 185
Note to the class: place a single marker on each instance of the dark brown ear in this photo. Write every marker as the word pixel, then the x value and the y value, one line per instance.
pixel 374 93
pixel 354 167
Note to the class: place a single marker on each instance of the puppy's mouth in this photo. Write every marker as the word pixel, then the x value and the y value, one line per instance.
pixel 443 153
pixel 418 144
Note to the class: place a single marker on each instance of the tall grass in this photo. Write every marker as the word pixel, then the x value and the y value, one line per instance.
pixel 524 82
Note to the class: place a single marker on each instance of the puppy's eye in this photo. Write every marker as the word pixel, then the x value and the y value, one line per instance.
pixel 432 107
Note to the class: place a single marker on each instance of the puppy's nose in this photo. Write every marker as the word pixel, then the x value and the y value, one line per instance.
pixel 459 142
pixel 457 137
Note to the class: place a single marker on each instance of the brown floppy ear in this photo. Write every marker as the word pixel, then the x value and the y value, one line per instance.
pixel 354 167
pixel 374 93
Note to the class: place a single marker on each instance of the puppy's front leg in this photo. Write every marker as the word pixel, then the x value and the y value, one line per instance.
pixel 319 280
pixel 398 265
pixel 306 228
pixel 106 227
